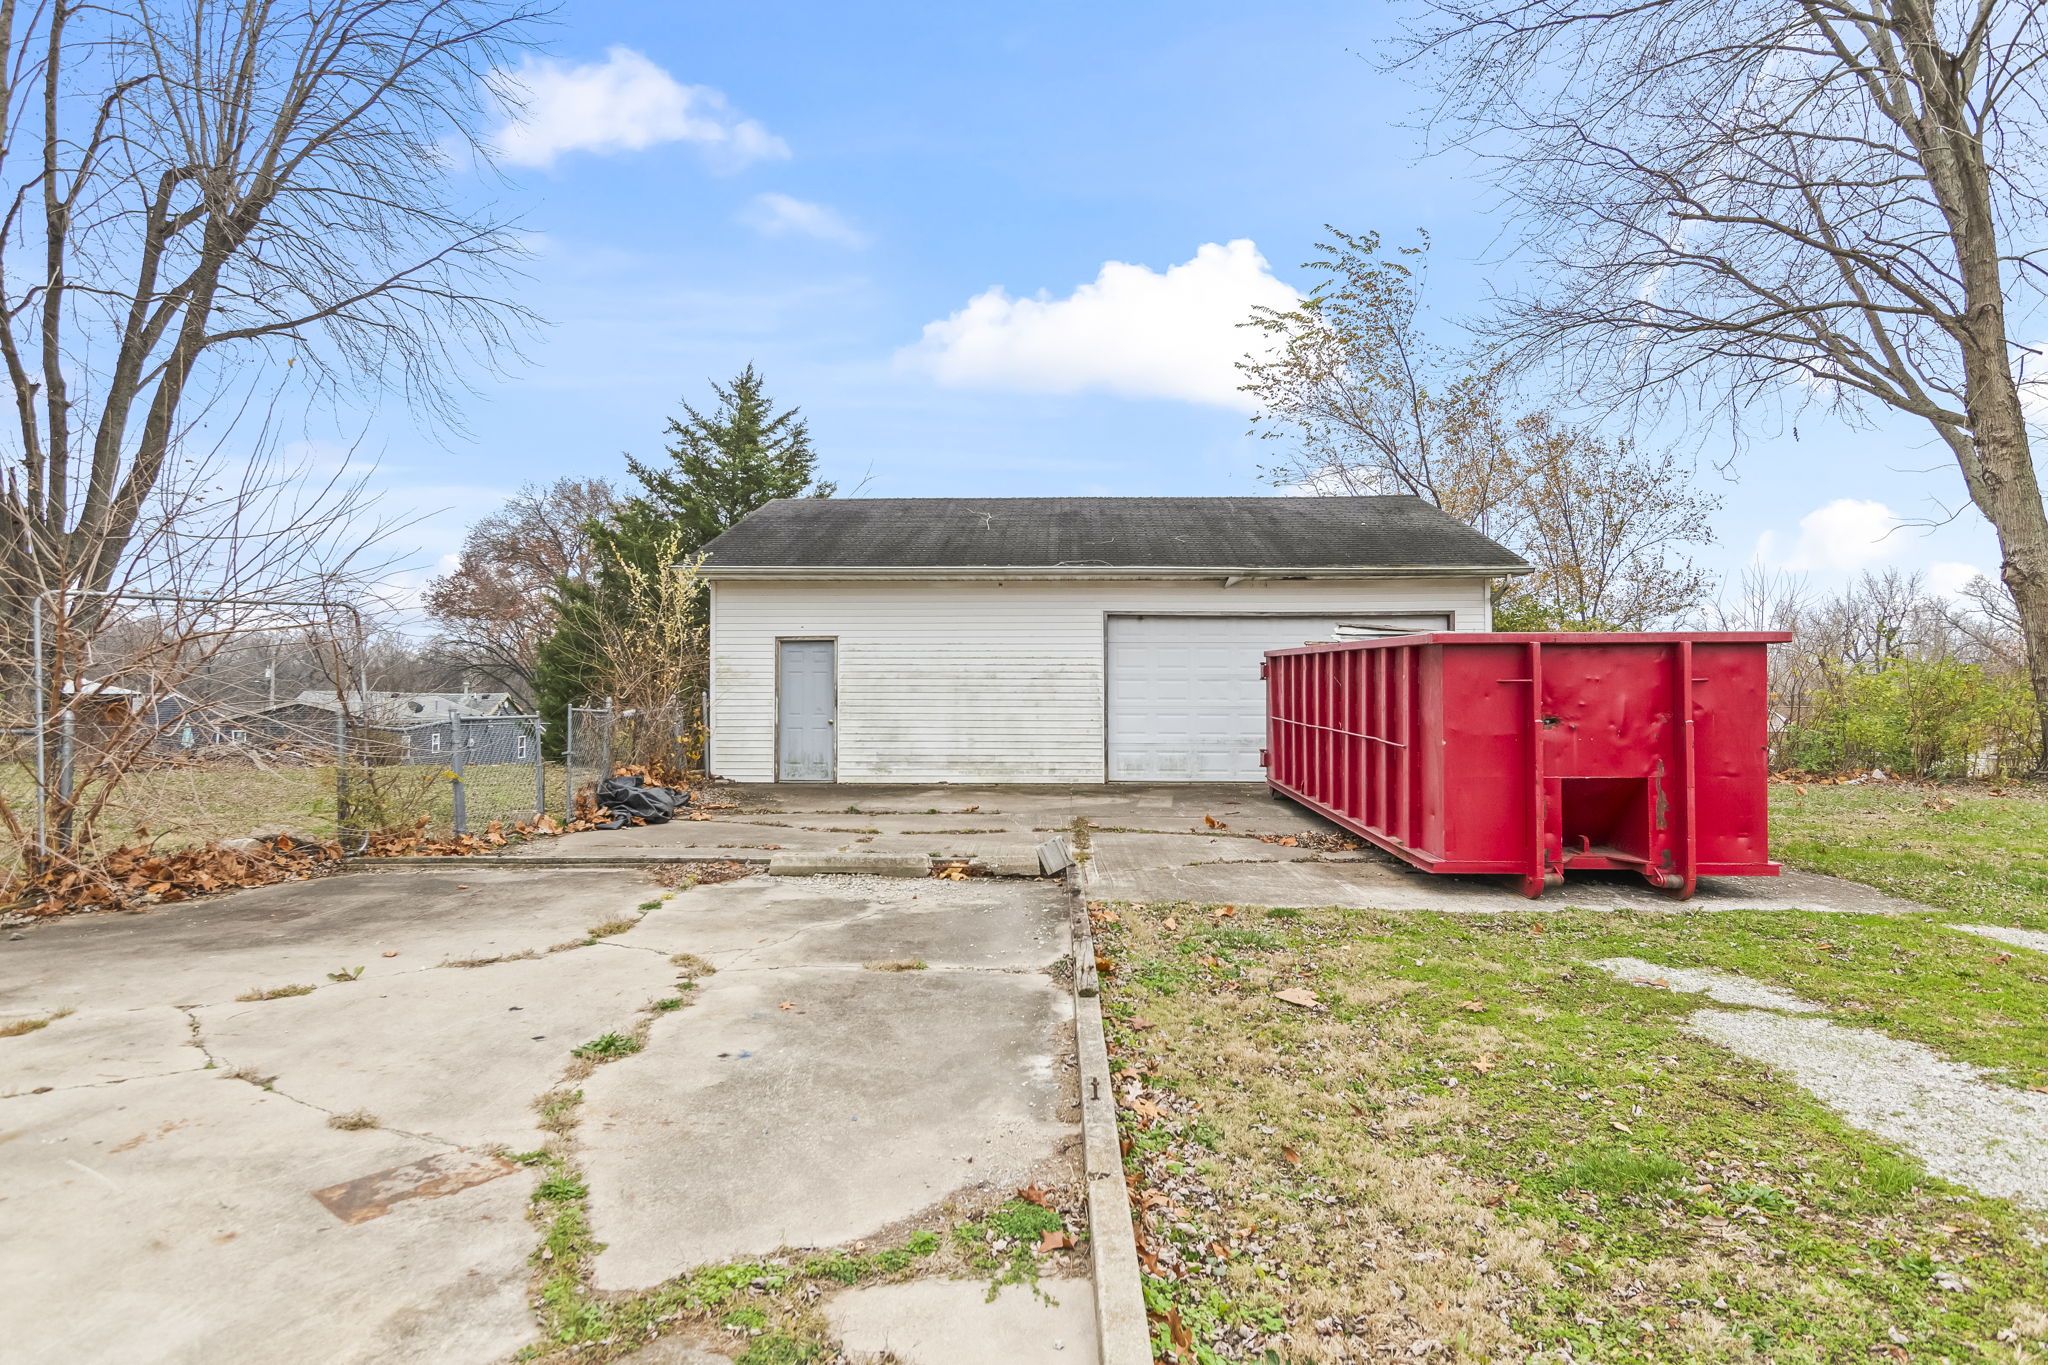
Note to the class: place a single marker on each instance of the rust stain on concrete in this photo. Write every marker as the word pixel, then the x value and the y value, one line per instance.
pixel 371 1196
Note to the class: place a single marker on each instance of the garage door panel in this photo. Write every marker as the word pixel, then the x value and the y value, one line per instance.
pixel 1185 700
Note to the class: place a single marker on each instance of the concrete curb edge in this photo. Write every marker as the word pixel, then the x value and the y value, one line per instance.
pixel 1123 1336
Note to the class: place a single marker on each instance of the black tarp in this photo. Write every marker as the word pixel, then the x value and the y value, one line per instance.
pixel 630 798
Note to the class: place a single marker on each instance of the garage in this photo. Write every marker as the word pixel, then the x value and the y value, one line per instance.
pixel 1052 640
pixel 1185 700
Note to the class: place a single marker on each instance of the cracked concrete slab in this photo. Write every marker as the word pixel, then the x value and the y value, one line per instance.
pixel 97 1046
pixel 1380 882
pixel 180 1209
pixel 870 1098
pixel 809 921
pixel 456 1054
pixel 295 934
pixel 945 1322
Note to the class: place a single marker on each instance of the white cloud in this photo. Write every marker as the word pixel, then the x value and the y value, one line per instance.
pixel 624 103
pixel 1848 533
pixel 780 215
pixel 1132 331
pixel 1948 579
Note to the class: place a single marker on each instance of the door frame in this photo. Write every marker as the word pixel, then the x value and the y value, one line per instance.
pixel 780 641
pixel 1208 613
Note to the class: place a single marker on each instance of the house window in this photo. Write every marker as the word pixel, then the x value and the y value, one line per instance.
pixel 238 735
pixel 434 742
pixel 522 746
pixel 186 738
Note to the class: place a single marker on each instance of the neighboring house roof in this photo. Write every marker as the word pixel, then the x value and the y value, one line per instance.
pixel 1102 537
pixel 400 708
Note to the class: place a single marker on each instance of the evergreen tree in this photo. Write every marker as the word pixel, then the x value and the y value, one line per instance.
pixel 721 466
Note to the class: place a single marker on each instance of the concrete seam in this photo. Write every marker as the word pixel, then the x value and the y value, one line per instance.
pixel 1121 1330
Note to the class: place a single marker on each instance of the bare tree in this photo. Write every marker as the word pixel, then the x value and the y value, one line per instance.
pixel 1789 200
pixel 1369 403
pixel 497 605
pixel 191 187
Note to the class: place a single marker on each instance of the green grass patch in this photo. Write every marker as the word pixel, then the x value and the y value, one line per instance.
pixel 1486 1143
pixel 1955 847
pixel 608 1047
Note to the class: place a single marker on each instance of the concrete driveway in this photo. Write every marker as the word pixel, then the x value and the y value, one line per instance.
pixel 190 1173
pixel 281 1125
pixel 1196 841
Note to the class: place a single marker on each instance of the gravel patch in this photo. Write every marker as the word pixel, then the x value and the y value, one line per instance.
pixel 1729 988
pixel 2018 938
pixel 1989 1137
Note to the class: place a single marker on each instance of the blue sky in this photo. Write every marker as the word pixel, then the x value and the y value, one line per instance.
pixel 811 187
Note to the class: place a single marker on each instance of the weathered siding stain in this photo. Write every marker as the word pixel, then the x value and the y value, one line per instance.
pixel 971 681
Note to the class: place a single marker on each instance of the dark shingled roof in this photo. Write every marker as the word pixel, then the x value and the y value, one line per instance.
pixel 1188 533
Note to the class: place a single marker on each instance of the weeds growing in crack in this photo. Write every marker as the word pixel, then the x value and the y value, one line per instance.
pixel 488 961
pixel 608 1047
pixel 354 1121
pixel 692 965
pixel 21 1026
pixel 273 993
pixel 251 1075
pixel 896 964
pixel 616 926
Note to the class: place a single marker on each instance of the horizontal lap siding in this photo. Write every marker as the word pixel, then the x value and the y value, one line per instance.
pixel 981 681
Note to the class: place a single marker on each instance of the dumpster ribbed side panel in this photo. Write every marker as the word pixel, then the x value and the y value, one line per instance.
pixel 1534 753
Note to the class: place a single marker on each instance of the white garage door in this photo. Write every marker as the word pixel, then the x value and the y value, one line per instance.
pixel 1185 700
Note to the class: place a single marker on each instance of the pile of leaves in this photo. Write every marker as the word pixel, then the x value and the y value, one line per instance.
pixel 138 874
pixel 1327 841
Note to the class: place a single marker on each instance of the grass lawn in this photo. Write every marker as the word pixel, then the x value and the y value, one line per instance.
pixel 185 806
pixel 1958 847
pixel 1480 1148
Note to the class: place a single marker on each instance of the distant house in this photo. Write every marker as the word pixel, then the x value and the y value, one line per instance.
pixel 405 727
pixel 167 719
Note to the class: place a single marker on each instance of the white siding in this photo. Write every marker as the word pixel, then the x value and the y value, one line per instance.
pixel 983 681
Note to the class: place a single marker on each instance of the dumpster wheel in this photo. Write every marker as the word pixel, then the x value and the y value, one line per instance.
pixel 1534 884
pixel 1673 884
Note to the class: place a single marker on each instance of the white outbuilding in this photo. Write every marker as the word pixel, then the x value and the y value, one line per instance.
pixel 1052 639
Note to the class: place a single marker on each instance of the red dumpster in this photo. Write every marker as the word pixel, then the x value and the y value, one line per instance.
pixel 1534 753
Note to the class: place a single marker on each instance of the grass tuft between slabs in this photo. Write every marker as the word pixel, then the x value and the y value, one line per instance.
pixel 1463 1143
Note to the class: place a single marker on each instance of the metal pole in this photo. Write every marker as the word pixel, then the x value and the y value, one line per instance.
pixel 67 757
pixel 540 775
pixel 341 830
pixel 35 635
pixel 461 794
pixel 605 764
pixel 569 765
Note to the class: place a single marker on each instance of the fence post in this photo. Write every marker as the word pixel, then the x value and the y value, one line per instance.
pixel 341 813
pixel 569 764
pixel 458 768
pixel 605 750
pixel 67 752
pixel 540 774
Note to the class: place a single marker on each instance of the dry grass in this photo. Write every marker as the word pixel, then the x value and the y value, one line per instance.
pixel 273 993
pixel 692 965
pixel 896 964
pixel 612 926
pixel 1479 1150
pixel 21 1026
pixel 354 1121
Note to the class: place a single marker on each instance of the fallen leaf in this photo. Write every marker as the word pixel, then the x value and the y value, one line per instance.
pixel 1212 822
pixel 1034 1193
pixel 1172 924
pixel 970 810
pixel 787 1005
pixel 1104 965
pixel 1618 1125
pixel 1485 1064
pixel 1475 1006
pixel 1290 842
pixel 1291 1156
pixel 1055 1241
pixel 1299 995
pixel 1226 912
pixel 392 953
pixel 1142 1024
